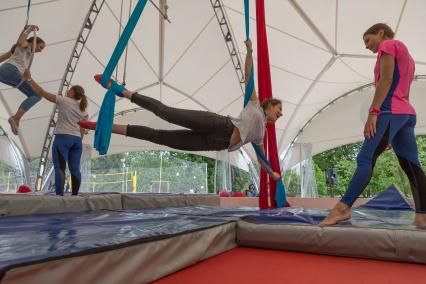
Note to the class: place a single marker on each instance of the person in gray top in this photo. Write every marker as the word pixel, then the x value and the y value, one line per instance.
pixel 206 131
pixel 11 72
pixel 67 145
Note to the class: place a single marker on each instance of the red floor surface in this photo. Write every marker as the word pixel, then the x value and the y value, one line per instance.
pixel 250 265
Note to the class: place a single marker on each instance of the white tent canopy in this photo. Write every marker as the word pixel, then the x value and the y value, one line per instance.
pixel 315 47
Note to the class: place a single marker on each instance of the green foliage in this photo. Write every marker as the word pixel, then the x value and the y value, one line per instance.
pixel 240 179
pixel 330 158
pixel 199 159
pixel 345 170
pixel 291 180
pixel 177 167
pixel 7 178
pixel 386 172
pixel 320 181
pixel 4 167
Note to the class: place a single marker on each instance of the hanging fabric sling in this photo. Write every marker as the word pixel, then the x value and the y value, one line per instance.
pixel 277 188
pixel 106 112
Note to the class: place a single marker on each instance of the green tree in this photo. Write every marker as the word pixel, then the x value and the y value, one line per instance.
pixel 240 179
pixel 330 158
pixel 200 159
pixel 291 180
pixel 386 172
pixel 320 181
pixel 150 162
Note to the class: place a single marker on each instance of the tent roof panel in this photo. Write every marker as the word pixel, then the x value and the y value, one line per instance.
pixel 196 62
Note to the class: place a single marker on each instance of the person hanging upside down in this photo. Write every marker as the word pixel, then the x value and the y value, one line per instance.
pixel 206 131
pixel 391 121
pixel 67 145
pixel 11 73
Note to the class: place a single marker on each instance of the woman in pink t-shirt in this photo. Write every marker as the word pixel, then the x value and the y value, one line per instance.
pixel 391 121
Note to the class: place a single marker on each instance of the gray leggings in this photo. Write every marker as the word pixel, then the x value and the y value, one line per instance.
pixel 206 131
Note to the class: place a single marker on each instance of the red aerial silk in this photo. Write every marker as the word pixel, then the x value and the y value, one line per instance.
pixel 265 92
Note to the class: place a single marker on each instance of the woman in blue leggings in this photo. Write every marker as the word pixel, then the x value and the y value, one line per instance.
pixel 67 145
pixel 391 120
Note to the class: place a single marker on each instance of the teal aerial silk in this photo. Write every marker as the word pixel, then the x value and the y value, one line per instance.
pixel 280 196
pixel 106 113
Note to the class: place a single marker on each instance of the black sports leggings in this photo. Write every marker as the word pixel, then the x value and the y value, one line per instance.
pixel 206 131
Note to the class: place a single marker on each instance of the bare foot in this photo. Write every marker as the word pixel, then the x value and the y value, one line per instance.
pixel 128 94
pixel 14 125
pixel 420 220
pixel 340 212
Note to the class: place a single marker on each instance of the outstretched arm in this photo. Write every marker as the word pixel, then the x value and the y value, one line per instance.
pixel 248 67
pixel 38 89
pixel 275 176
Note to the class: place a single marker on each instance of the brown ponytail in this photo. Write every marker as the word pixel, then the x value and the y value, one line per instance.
pixel 80 96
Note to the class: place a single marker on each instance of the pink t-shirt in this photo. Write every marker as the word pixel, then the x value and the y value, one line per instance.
pixel 396 100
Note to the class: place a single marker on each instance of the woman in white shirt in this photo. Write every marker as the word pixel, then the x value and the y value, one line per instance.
pixel 11 73
pixel 67 146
